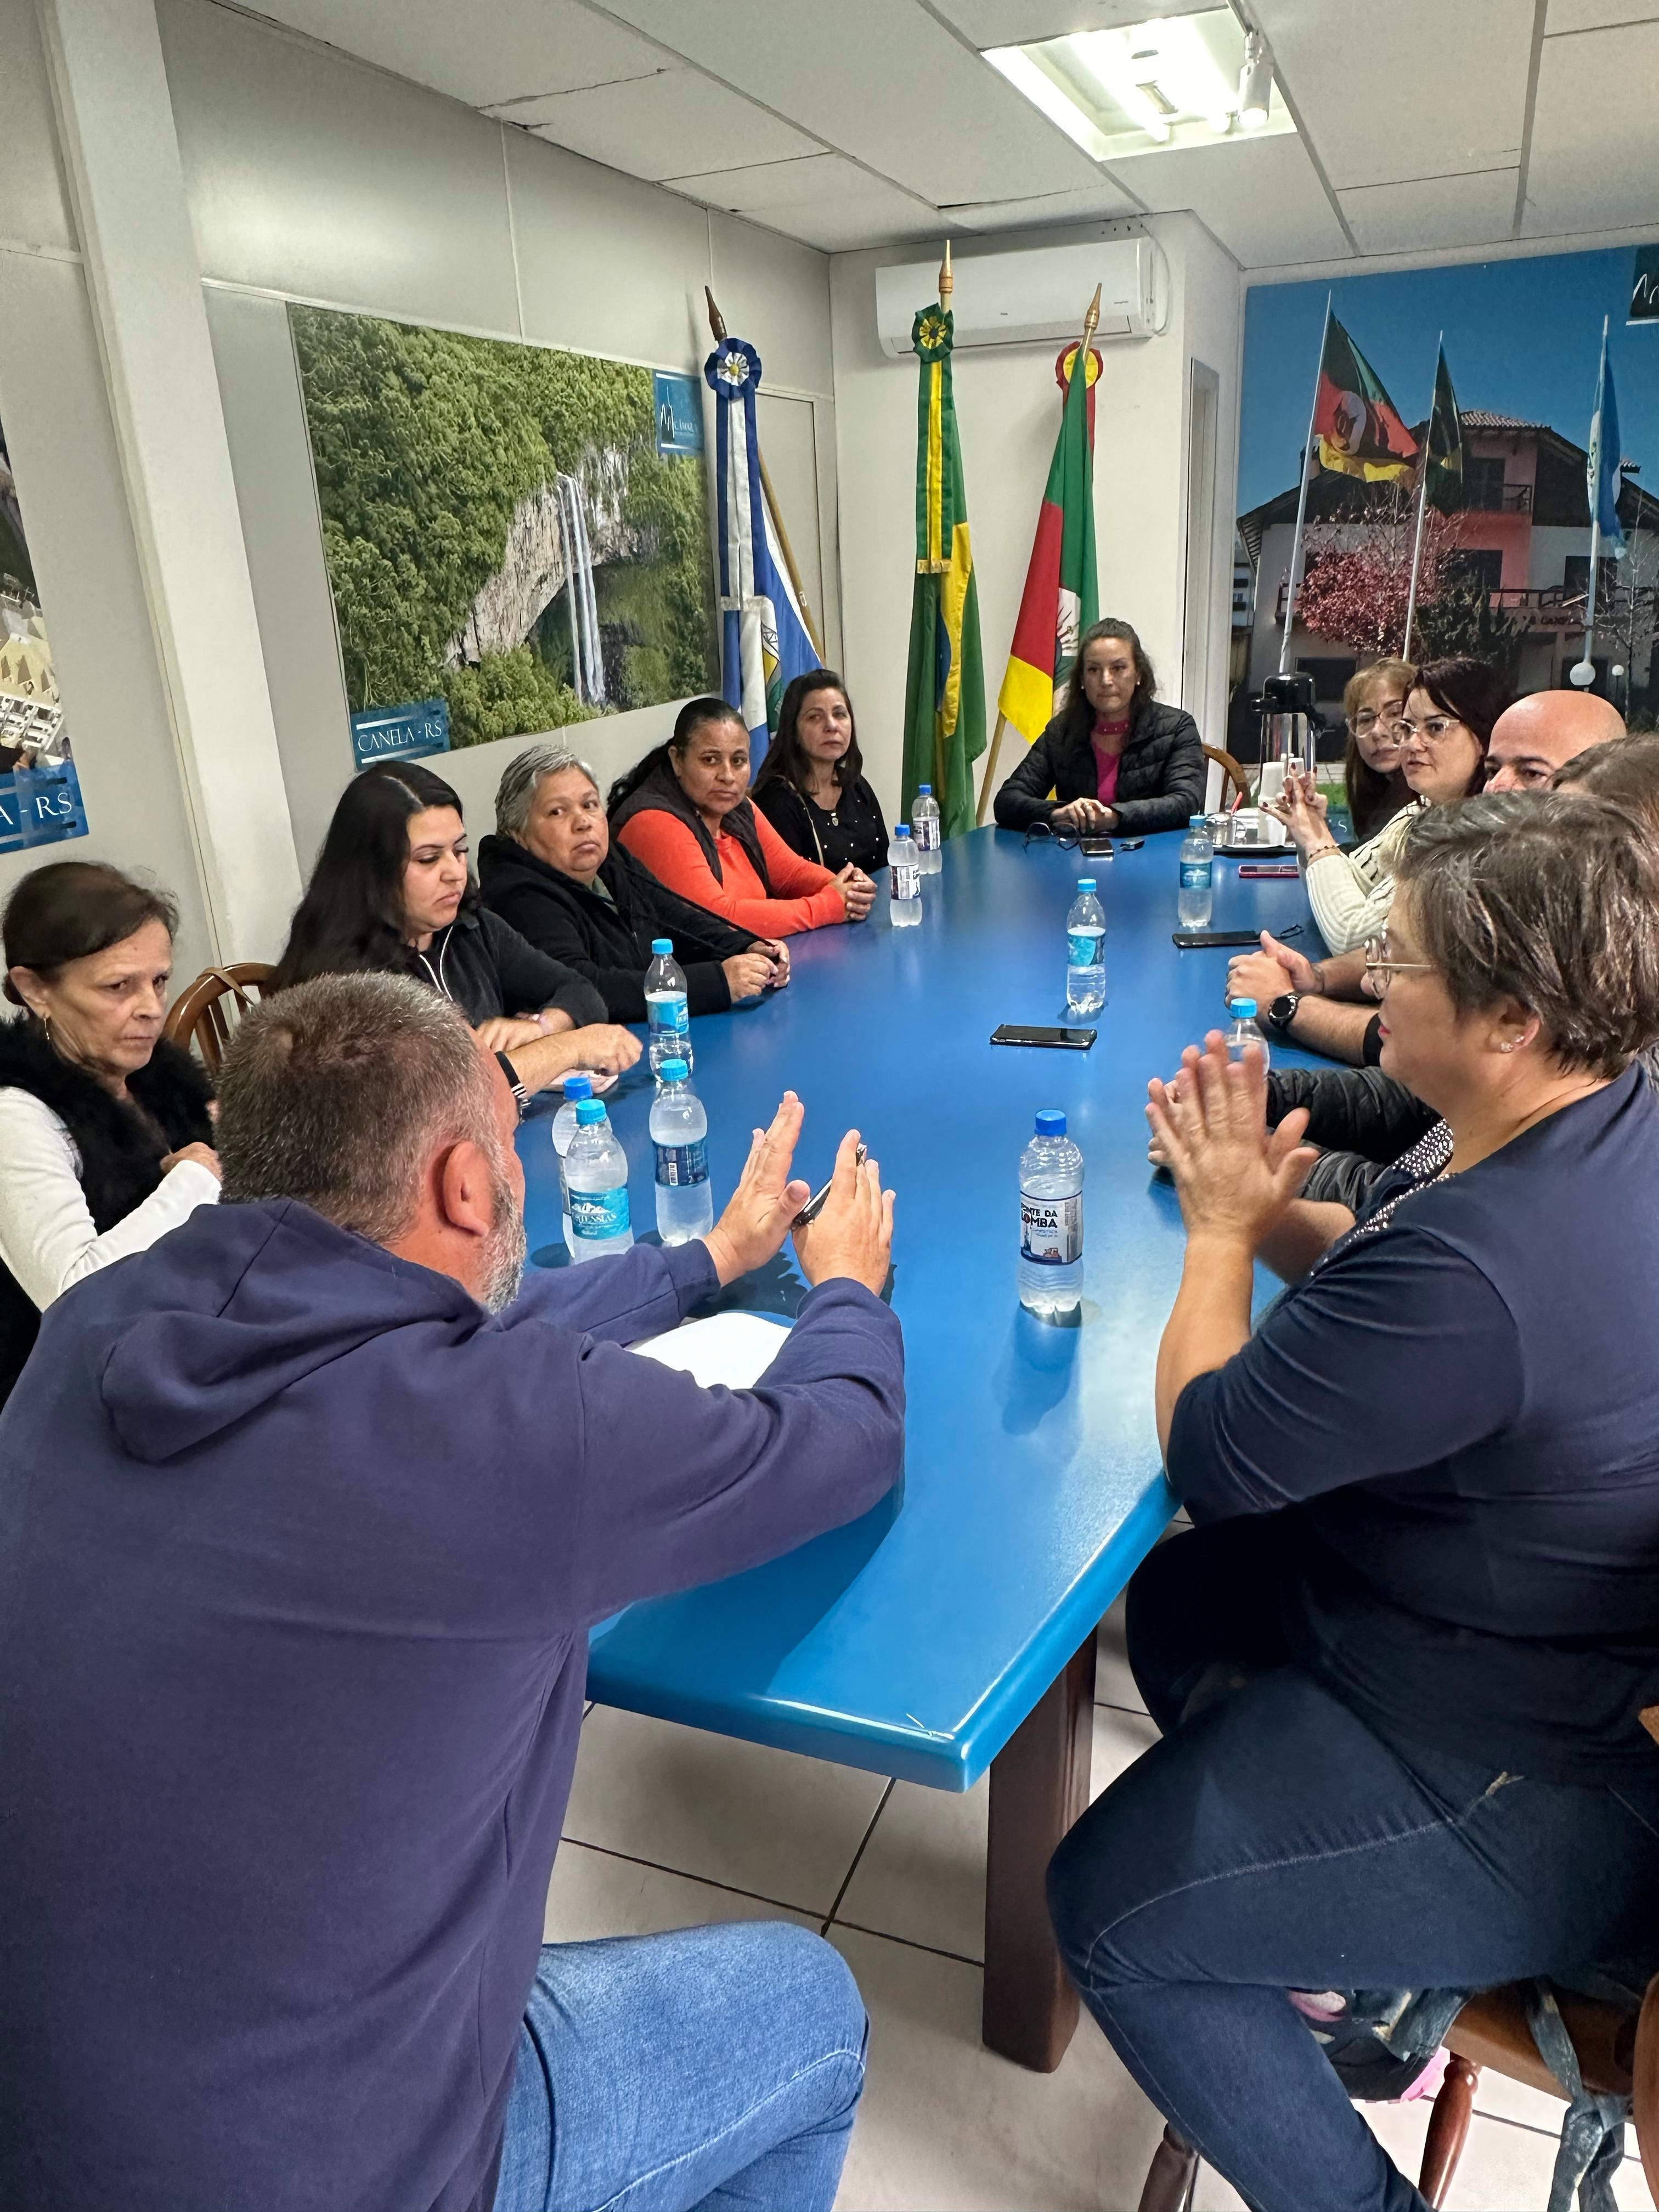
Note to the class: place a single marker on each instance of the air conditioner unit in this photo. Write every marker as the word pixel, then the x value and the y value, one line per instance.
pixel 1024 298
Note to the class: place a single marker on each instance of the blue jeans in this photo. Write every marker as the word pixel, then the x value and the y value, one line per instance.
pixel 715 2068
pixel 1272 1842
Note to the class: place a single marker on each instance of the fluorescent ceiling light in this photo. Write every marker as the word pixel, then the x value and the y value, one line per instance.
pixel 1177 81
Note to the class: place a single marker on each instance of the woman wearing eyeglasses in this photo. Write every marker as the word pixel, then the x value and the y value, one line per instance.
pixel 1443 733
pixel 1401 1659
pixel 1372 705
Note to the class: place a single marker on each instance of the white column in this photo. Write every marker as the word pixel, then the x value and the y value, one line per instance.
pixel 121 157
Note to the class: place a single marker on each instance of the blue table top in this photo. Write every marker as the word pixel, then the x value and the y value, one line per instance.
pixel 914 1642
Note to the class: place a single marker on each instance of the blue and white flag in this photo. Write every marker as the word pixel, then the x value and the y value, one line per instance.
pixel 1602 470
pixel 763 636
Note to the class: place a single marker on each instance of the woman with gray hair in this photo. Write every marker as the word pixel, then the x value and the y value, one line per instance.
pixel 1401 1661
pixel 552 872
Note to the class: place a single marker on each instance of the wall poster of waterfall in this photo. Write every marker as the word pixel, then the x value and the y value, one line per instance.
pixel 501 528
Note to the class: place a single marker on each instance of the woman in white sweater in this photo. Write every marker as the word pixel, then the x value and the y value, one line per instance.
pixel 1447 724
pixel 106 1128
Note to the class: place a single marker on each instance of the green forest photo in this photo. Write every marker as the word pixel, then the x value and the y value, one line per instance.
pixel 500 528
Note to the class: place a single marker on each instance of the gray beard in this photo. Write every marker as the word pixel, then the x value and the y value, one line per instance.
pixel 507 1249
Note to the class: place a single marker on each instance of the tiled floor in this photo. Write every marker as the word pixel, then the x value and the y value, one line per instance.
pixel 669 1827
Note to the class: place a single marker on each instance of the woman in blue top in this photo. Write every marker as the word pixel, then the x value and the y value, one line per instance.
pixel 1401 1661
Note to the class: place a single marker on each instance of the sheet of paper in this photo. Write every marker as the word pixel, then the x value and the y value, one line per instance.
pixel 732 1348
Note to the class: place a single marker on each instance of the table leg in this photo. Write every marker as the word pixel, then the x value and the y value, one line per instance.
pixel 1039 1786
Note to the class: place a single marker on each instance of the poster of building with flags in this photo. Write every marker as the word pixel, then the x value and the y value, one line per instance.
pixel 1487 375
pixel 39 789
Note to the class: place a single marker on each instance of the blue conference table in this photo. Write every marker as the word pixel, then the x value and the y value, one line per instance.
pixel 952 1629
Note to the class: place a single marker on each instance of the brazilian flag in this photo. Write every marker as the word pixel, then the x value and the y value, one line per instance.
pixel 944 691
pixel 1443 445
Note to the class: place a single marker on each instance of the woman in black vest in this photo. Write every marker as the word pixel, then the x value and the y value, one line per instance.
pixel 105 1134
pixel 811 786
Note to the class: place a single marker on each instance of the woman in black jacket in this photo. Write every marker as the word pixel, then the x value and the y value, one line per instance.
pixel 1115 759
pixel 811 786
pixel 391 891
pixel 552 872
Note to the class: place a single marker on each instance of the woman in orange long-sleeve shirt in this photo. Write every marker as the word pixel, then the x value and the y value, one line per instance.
pixel 684 811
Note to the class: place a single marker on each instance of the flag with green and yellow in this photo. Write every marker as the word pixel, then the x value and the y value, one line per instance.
pixel 944 691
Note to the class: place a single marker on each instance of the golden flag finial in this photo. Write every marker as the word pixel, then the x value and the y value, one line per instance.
pixel 1091 320
pixel 947 282
pixel 717 321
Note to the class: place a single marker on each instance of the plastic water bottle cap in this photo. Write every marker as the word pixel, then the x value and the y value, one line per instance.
pixel 1051 1123
pixel 673 1071
pixel 663 947
pixel 1244 1008
pixel 901 829
pixel 590 1111
pixel 1196 821
pixel 924 791
pixel 576 1088
pixel 1085 883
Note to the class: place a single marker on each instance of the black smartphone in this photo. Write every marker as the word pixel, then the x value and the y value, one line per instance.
pixel 1023 1033
pixel 1130 844
pixel 1096 848
pixel 1192 941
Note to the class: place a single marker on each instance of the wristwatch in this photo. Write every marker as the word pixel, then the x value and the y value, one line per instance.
pixel 1282 1012
pixel 514 1084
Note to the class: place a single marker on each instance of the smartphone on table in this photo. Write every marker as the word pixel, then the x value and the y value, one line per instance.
pixel 1059 1039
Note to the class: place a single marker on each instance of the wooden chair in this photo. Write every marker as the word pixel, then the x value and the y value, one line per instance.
pixel 1618 2056
pixel 1233 775
pixel 200 1019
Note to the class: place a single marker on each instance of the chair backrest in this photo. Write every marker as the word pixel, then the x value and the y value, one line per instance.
pixel 202 1018
pixel 1232 772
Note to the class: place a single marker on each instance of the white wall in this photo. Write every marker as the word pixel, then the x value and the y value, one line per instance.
pixel 310 176
pixel 1008 411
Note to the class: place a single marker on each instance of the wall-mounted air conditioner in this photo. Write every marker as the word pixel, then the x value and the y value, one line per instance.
pixel 1022 298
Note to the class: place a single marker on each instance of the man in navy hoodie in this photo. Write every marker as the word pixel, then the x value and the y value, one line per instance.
pixel 303 1518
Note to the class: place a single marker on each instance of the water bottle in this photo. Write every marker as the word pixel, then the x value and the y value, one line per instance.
pixel 1244 1030
pixel 1051 1220
pixel 1085 951
pixel 667 1010
pixel 1197 874
pixel 679 1130
pixel 925 830
pixel 596 1172
pixel 576 1088
pixel 904 880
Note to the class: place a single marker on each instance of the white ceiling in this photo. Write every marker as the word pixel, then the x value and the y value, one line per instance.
pixel 851 122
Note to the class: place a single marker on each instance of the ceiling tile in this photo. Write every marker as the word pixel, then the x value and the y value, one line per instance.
pixel 1434 212
pixel 1017 22
pixel 1456 90
pixel 893 87
pixel 809 178
pixel 666 125
pixel 1592 166
pixel 1598 14
pixel 507 50
pixel 1260 197
pixel 1102 199
pixel 883 217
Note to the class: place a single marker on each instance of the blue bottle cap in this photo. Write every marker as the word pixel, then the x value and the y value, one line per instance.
pixel 1196 821
pixel 576 1088
pixel 1051 1123
pixel 924 791
pixel 673 1071
pixel 1244 1008
pixel 901 829
pixel 663 947
pixel 1085 883
pixel 590 1111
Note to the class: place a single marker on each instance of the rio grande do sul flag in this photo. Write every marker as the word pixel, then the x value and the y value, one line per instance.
pixel 1061 597
pixel 944 689
pixel 1358 431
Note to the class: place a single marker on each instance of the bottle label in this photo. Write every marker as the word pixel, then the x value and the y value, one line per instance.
pixel 907 881
pixel 924 834
pixel 1083 947
pixel 599 1214
pixel 1196 875
pixel 683 1164
pixel 669 1014
pixel 1051 1229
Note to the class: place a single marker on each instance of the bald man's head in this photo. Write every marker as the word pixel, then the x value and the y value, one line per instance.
pixel 1542 733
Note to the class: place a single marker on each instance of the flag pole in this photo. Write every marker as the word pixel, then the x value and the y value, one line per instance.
pixel 1302 503
pixel 1091 324
pixel 1422 505
pixel 717 327
pixel 1583 673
